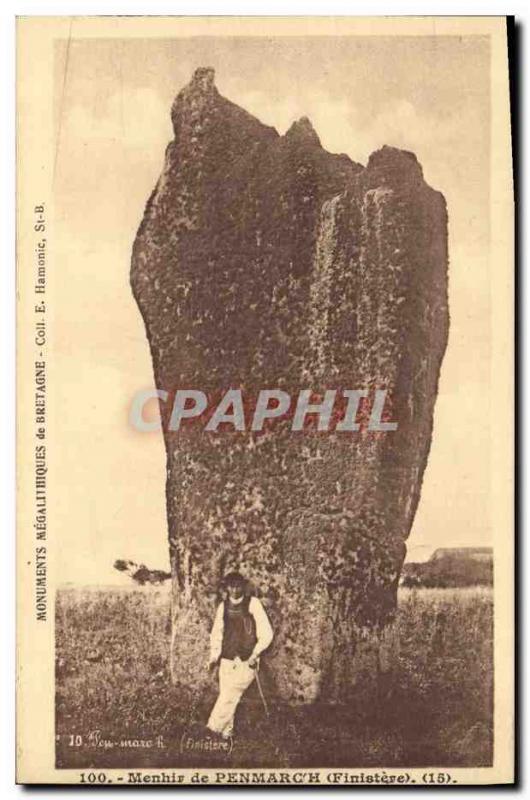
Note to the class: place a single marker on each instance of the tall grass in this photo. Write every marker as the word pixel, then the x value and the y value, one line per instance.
pixel 112 675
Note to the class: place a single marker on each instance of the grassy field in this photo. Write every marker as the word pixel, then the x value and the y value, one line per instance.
pixel 113 692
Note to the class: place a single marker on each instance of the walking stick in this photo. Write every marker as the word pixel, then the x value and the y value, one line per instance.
pixel 265 706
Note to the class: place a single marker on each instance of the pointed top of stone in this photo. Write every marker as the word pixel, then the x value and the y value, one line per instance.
pixel 303 130
pixel 203 79
pixel 396 162
pixel 198 94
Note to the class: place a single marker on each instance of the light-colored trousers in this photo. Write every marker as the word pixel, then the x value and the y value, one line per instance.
pixel 234 678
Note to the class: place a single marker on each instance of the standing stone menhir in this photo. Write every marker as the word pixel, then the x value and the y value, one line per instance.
pixel 263 261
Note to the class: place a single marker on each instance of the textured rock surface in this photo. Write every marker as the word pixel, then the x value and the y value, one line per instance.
pixel 263 261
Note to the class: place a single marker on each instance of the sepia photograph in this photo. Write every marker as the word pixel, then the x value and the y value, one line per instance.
pixel 265 323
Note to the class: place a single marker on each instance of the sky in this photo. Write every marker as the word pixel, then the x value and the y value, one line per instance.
pixel 112 115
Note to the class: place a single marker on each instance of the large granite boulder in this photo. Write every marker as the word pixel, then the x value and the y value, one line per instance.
pixel 263 261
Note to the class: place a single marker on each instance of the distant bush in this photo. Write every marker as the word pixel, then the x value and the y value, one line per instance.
pixel 448 572
pixel 140 573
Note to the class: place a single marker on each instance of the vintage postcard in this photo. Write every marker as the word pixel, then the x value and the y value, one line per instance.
pixel 265 401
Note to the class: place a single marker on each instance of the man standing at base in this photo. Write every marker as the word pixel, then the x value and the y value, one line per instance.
pixel 241 632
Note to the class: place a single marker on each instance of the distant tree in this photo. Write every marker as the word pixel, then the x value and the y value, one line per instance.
pixel 140 573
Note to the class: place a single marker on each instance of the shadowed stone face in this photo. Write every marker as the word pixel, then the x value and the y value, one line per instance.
pixel 265 262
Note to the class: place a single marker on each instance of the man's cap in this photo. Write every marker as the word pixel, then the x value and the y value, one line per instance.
pixel 234 579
